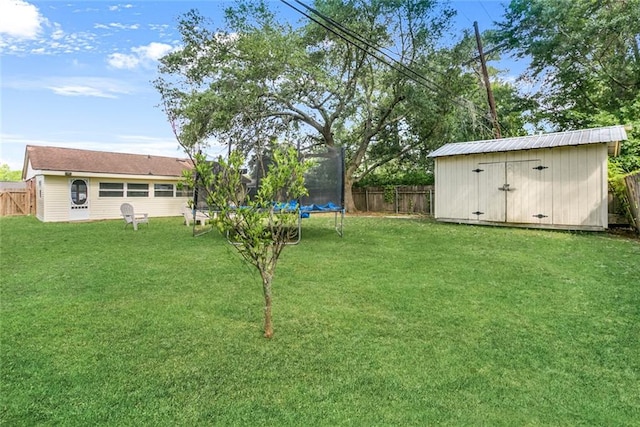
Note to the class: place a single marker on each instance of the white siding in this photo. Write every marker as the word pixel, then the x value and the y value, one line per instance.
pixel 580 186
pixel 109 207
pixel 56 199
pixel 491 202
pixel 530 180
pixel 54 206
pixel 455 185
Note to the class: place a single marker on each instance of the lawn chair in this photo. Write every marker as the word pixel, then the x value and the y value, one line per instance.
pixel 200 217
pixel 131 218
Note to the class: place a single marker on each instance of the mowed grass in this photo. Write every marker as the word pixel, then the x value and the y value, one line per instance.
pixel 401 322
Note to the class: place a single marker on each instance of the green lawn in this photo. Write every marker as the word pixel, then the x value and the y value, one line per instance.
pixel 401 322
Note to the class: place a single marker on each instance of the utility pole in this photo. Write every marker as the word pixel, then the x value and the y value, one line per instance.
pixel 487 84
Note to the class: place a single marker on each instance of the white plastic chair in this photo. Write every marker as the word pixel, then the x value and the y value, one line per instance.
pixel 131 218
pixel 200 217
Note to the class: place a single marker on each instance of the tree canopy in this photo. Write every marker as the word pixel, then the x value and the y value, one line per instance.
pixel 6 174
pixel 381 78
pixel 585 61
pixel 379 83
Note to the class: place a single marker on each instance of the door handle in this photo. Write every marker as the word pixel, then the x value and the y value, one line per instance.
pixel 506 187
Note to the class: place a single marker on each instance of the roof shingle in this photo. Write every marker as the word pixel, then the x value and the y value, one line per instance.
pixel 75 160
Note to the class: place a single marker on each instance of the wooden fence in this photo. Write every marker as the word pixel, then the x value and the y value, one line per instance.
pixel 633 193
pixel 16 200
pixel 421 199
pixel 395 199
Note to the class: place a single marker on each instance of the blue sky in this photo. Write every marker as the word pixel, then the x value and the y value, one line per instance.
pixel 77 74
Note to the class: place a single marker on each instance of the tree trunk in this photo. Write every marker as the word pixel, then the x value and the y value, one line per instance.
pixel 266 287
pixel 349 203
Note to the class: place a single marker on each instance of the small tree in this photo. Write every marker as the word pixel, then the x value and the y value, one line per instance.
pixel 261 226
pixel 6 174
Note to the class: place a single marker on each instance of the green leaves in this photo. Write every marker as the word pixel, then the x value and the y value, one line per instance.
pixel 259 227
pixel 260 79
pixel 584 54
pixel 6 174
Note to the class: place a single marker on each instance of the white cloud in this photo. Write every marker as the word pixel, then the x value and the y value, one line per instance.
pixel 23 30
pixel 89 86
pixel 117 7
pixel 161 28
pixel 159 146
pixel 139 56
pixel 13 145
pixel 81 91
pixel 144 144
pixel 57 33
pixel 153 51
pixel 123 61
pixel 20 19
pixel 75 86
pixel 117 26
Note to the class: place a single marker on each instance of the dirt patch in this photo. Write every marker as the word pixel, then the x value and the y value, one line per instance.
pixel 625 232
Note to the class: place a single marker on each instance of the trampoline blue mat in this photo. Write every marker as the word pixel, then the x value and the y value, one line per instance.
pixel 306 210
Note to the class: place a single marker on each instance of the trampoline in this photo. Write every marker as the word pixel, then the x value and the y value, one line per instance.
pixel 324 181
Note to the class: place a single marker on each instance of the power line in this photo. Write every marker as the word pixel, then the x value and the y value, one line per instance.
pixel 351 42
pixel 486 11
pixel 361 39
pixel 395 64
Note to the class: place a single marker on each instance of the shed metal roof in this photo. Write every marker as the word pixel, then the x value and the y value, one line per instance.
pixel 548 140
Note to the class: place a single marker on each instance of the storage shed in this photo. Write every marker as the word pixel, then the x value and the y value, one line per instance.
pixel 555 180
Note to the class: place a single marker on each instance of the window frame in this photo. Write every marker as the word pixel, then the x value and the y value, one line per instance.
pixel 137 189
pixel 111 192
pixel 168 191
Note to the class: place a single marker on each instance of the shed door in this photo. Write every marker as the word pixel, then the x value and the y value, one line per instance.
pixel 491 202
pixel 529 184
pixel 513 192
pixel 78 199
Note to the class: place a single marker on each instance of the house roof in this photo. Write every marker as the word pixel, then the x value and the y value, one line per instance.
pixel 74 160
pixel 610 134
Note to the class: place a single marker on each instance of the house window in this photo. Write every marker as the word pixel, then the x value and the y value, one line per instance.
pixel 79 192
pixel 163 190
pixel 137 190
pixel 111 189
pixel 184 191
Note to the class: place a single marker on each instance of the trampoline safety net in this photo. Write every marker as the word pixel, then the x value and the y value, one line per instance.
pixel 324 181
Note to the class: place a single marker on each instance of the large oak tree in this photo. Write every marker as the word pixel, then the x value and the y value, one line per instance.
pixel 259 79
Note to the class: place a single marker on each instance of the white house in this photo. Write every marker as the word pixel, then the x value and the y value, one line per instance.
pixel 554 180
pixel 78 185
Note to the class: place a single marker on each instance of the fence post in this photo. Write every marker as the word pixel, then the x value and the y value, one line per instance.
pixel 633 194
pixel 395 189
pixel 366 199
pixel 431 201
